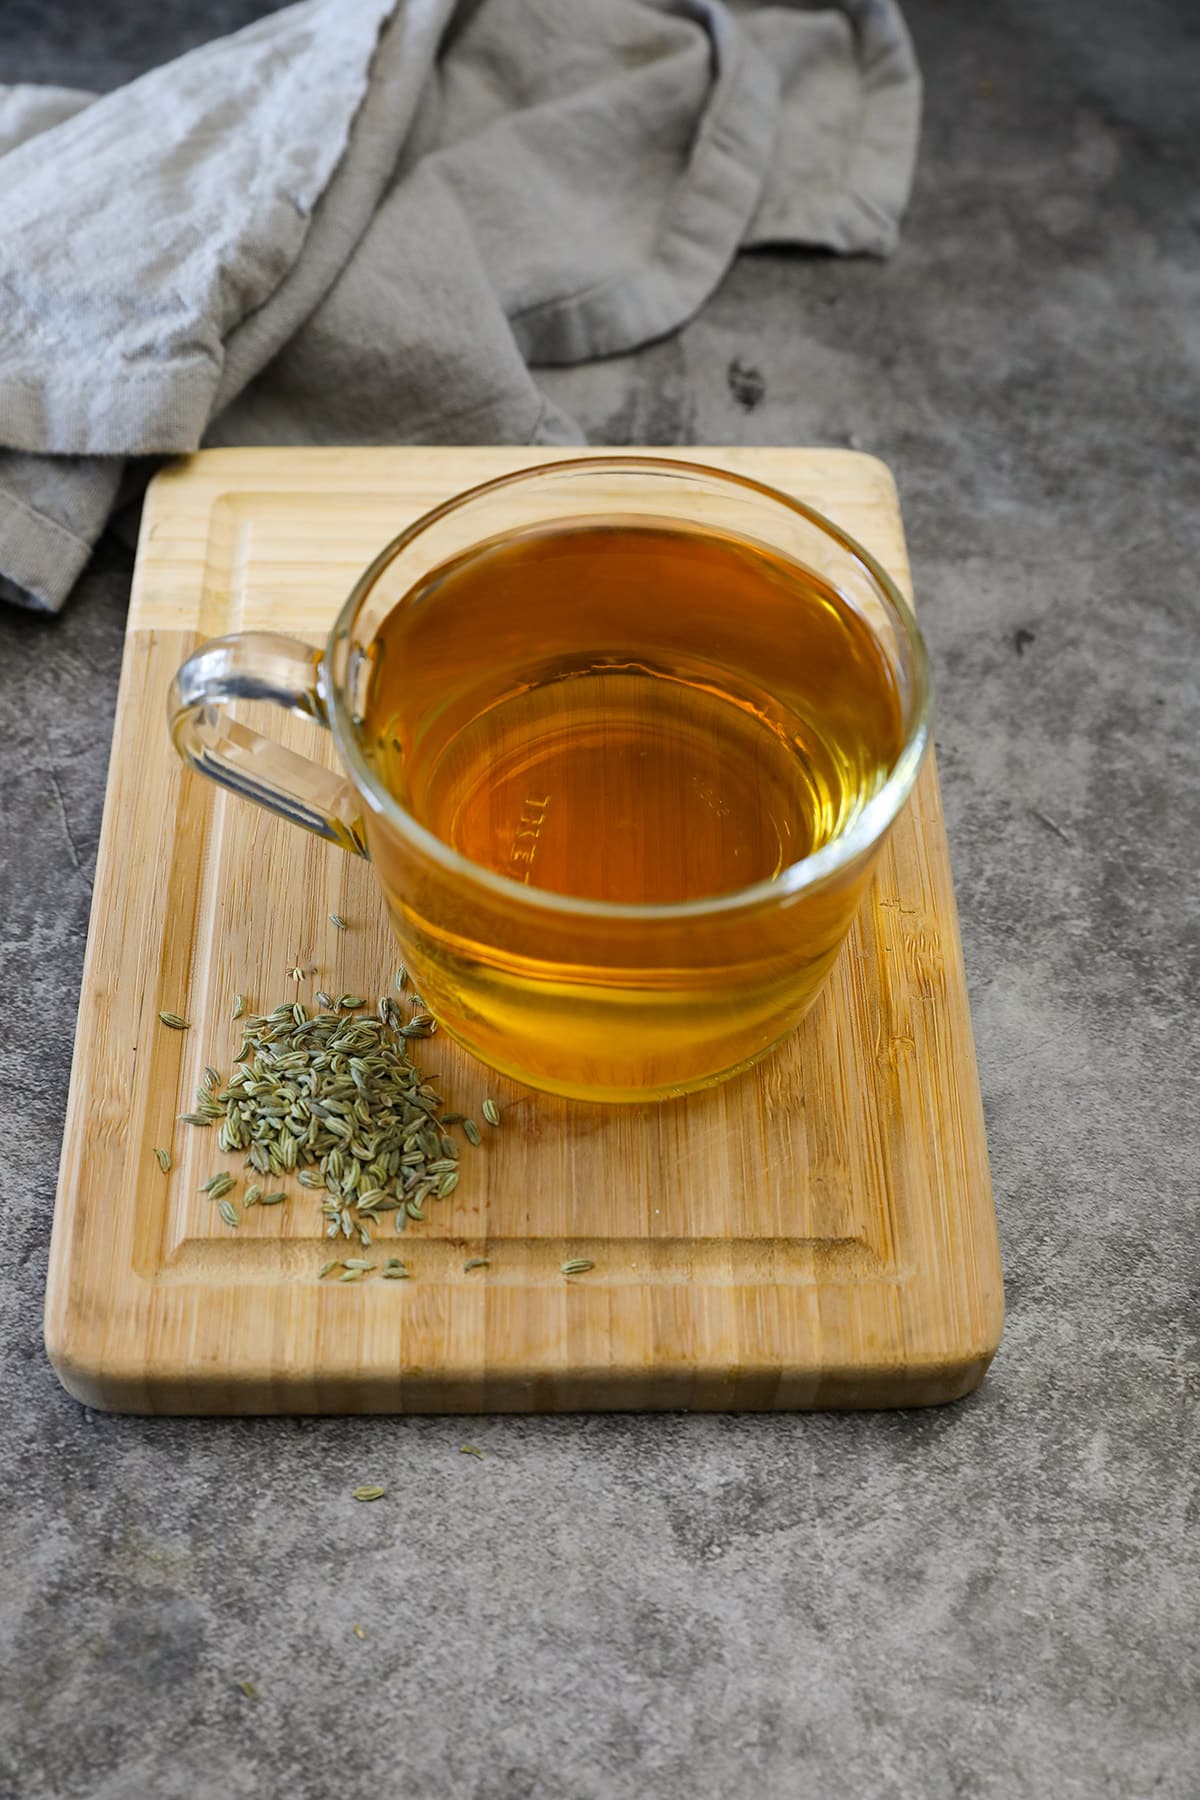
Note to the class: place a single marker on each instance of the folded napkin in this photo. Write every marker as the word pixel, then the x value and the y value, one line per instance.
pixel 364 220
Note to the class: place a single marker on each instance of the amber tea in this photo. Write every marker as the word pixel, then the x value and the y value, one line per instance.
pixel 631 713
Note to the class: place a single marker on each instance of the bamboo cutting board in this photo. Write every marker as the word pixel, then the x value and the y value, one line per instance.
pixel 817 1233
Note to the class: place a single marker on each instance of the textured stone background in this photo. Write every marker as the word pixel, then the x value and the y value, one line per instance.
pixel 996 1600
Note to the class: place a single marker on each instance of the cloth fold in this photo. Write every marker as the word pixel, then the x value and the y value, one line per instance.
pixel 366 220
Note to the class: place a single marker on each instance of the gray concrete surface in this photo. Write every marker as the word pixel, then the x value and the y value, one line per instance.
pixel 997 1600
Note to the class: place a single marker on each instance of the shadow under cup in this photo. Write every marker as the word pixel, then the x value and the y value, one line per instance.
pixel 624 737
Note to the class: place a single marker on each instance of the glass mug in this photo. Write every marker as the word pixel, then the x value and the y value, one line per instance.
pixel 622 739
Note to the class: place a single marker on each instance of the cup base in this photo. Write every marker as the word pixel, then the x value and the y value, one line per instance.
pixel 615 1096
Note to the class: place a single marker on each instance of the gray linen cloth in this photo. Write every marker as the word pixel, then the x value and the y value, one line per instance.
pixel 364 220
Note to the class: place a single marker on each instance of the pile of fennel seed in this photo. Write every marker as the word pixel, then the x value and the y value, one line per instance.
pixel 334 1098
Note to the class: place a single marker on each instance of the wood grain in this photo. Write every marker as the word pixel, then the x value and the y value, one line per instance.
pixel 819 1233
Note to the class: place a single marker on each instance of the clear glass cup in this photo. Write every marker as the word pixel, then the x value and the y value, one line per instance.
pixel 588 998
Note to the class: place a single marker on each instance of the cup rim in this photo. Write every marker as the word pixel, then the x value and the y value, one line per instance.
pixel 800 877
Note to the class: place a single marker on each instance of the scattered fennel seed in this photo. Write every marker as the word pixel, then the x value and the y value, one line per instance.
pixel 359 1633
pixel 470 1450
pixel 401 979
pixel 239 1006
pixel 337 921
pixel 193 1119
pixel 164 1159
pixel 350 1002
pixel 296 974
pixel 228 1212
pixel 248 1688
pixel 491 1111
pixel 275 1199
pixel 217 1186
pixel 477 1262
pixel 368 1493
pixel 578 1265
pixel 173 1022
pixel 327 1269
pixel 323 999
pixel 471 1132
pixel 352 1275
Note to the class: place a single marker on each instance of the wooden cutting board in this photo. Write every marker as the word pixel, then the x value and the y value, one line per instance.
pixel 818 1233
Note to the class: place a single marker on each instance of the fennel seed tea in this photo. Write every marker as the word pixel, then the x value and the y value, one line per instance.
pixel 618 710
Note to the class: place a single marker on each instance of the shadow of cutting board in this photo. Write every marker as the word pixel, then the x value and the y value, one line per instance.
pixel 818 1233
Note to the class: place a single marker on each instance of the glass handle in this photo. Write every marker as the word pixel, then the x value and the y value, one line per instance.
pixel 261 665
